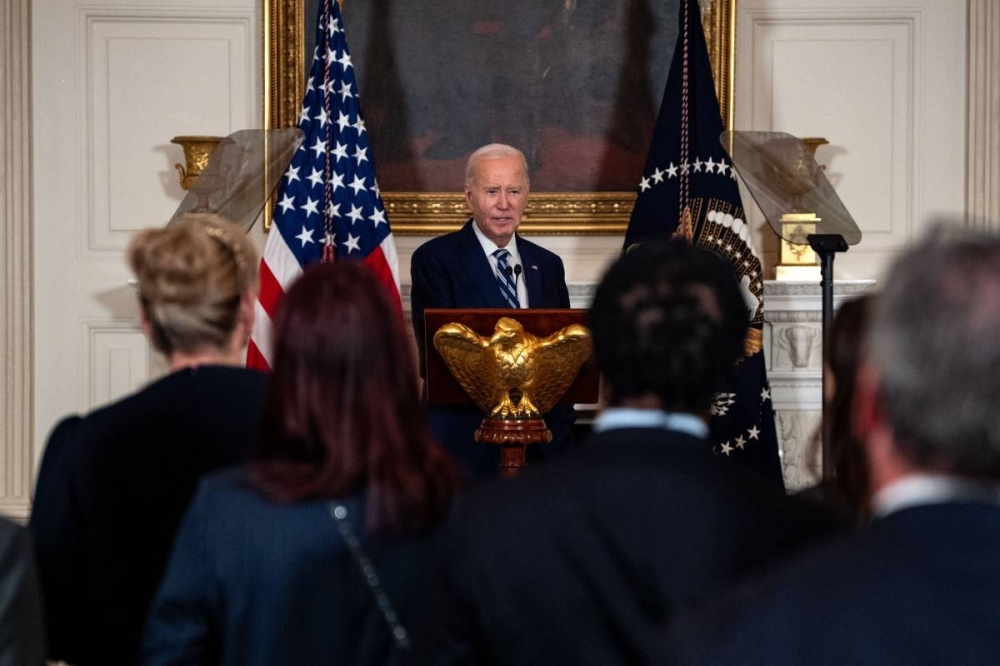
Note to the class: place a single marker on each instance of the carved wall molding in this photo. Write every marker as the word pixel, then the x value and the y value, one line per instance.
pixel 983 143
pixel 16 453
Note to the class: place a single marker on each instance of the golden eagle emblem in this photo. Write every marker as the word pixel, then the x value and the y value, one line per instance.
pixel 513 374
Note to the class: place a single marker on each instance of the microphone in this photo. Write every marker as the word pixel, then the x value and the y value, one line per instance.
pixel 508 271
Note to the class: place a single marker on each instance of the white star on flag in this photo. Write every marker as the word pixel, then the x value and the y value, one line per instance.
pixel 310 207
pixel 306 236
pixel 352 243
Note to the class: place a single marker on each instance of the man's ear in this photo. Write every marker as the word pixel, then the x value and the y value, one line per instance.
pixel 147 328
pixel 603 394
pixel 248 308
pixel 468 197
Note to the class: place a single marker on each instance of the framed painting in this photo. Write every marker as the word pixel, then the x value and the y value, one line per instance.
pixel 574 85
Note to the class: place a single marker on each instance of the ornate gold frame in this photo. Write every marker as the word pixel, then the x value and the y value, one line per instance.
pixel 414 213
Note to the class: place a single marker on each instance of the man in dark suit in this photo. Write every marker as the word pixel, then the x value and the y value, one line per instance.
pixel 921 584
pixel 22 638
pixel 487 265
pixel 580 560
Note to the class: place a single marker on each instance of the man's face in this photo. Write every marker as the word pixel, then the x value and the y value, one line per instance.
pixel 497 196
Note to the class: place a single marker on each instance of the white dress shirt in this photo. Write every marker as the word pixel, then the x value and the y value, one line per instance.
pixel 922 489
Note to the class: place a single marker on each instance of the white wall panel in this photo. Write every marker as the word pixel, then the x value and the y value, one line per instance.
pixel 889 100
pixel 116 359
pixel 149 78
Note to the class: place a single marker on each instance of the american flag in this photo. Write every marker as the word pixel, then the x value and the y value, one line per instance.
pixel 328 206
pixel 689 189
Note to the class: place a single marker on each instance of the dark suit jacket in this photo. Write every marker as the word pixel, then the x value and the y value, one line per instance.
pixel 451 271
pixel 112 489
pixel 22 637
pixel 581 560
pixel 255 583
pixel 921 586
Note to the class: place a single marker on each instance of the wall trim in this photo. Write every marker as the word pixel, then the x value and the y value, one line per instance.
pixel 16 390
pixel 982 199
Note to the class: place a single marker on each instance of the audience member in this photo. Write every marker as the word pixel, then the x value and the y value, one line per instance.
pixel 114 484
pixel 310 555
pixel 844 485
pixel 486 264
pixel 22 634
pixel 578 561
pixel 920 585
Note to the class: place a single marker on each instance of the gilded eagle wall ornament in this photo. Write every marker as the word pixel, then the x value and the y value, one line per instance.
pixel 513 374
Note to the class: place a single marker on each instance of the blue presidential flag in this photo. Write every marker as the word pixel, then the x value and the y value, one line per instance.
pixel 688 189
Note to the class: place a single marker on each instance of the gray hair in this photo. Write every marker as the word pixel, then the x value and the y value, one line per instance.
pixel 935 339
pixel 493 151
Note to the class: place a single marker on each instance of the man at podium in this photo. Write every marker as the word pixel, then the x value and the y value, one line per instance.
pixel 486 264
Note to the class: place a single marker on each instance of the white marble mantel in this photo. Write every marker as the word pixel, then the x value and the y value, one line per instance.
pixel 793 352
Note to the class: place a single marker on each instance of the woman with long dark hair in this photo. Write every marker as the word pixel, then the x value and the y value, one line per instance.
pixel 847 477
pixel 312 551
pixel 844 484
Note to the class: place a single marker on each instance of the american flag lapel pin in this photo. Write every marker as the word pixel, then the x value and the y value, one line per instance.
pixel 534 267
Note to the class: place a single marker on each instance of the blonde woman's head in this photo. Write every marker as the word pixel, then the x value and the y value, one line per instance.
pixel 196 279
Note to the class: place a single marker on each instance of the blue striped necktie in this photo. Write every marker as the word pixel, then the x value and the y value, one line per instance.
pixel 505 278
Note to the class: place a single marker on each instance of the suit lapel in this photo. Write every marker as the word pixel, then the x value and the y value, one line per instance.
pixel 531 274
pixel 477 266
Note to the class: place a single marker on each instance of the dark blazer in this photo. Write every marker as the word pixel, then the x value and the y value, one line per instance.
pixel 22 637
pixel 583 559
pixel 255 583
pixel 451 271
pixel 920 586
pixel 112 489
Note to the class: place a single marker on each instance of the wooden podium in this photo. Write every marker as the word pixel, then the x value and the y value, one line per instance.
pixel 512 435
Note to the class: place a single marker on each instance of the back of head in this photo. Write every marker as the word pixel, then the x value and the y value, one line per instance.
pixel 191 278
pixel 668 321
pixel 342 412
pixel 935 339
pixel 848 473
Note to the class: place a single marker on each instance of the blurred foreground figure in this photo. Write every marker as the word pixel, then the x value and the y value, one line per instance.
pixel 581 560
pixel 22 637
pixel 114 484
pixel 920 585
pixel 844 485
pixel 311 553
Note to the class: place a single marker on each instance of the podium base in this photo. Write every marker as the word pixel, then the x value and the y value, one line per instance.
pixel 513 436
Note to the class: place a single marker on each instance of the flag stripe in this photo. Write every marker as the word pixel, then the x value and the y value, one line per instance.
pixel 270 290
